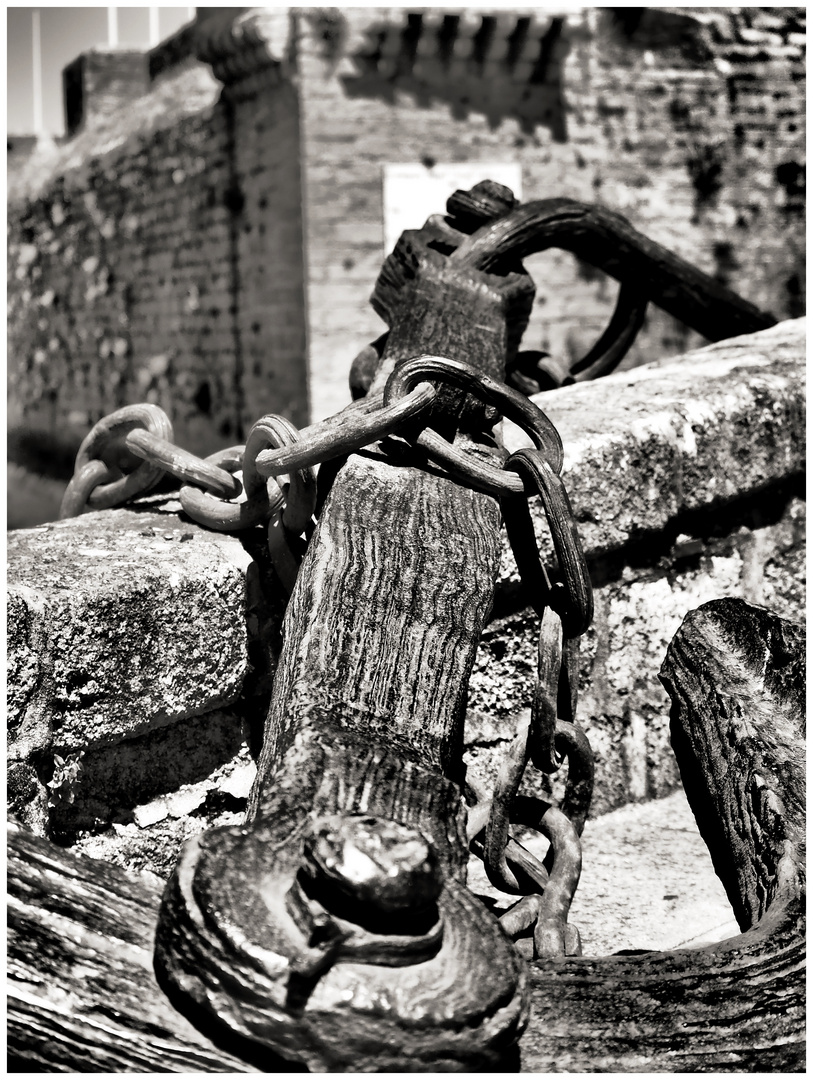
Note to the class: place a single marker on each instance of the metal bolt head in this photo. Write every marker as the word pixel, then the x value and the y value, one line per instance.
pixel 374 861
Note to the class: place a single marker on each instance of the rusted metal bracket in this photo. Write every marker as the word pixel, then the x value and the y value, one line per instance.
pixel 489 229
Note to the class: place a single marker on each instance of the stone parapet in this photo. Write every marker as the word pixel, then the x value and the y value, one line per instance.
pixel 685 478
pixel 142 647
pixel 246 53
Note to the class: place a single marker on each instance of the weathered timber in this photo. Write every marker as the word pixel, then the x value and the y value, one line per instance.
pixel 734 1007
pixel 366 720
pixel 81 991
pixel 736 676
pixel 417 272
pixel 735 673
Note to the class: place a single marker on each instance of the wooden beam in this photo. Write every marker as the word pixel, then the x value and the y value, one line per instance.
pixel 82 993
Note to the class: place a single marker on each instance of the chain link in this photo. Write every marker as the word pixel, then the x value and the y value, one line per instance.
pixel 128 452
pixel 364 422
pixel 85 480
pixel 130 476
pixel 572 598
pixel 231 516
pixel 550 735
pixel 510 403
pixel 181 464
pixel 287 523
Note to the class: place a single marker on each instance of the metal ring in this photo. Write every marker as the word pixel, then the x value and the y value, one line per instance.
pixel 550 933
pixel 180 463
pixel 619 334
pixel 509 402
pixel 555 692
pixel 83 482
pixel 225 516
pixel 572 743
pixel 574 599
pixel 300 492
pixel 365 422
pixel 105 442
pixel 518 857
pixel 497 834
pixel 551 907
pixel 544 706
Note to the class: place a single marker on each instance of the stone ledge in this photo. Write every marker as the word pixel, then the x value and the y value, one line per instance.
pixel 121 621
pixel 125 626
pixel 647 446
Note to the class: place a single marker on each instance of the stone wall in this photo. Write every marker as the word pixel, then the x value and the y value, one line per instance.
pixel 101 82
pixel 215 252
pixel 688 121
pixel 158 257
pixel 142 648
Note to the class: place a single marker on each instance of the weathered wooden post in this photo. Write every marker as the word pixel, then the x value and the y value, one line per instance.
pixel 362 743
pixel 361 755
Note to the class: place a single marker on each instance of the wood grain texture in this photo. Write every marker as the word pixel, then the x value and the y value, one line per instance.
pixel 443 303
pixel 734 1007
pixel 418 555
pixel 82 993
pixel 416 552
pixel 736 676
pixel 366 719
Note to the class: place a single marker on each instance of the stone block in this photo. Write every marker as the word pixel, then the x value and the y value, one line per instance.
pixel 672 438
pixel 686 479
pixel 120 622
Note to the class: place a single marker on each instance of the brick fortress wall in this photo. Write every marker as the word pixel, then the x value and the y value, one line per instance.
pixel 690 122
pixel 159 255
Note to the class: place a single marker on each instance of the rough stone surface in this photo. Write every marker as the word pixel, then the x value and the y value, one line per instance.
pixel 686 481
pixel 644 447
pixel 622 705
pixel 142 647
pixel 119 622
pixel 157 257
pixel 148 835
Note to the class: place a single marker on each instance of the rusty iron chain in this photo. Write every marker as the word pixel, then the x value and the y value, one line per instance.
pixel 550 735
pixel 510 403
pixel 128 452
pixel 231 516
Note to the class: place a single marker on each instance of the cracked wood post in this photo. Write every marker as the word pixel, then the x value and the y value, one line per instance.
pixel 366 719
pixel 404 649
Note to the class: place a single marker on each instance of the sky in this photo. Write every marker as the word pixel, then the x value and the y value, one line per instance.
pixel 65 32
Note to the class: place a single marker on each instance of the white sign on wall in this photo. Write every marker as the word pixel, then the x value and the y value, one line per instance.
pixel 413 191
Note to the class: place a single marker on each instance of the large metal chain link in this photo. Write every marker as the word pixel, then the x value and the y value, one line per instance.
pixel 128 452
